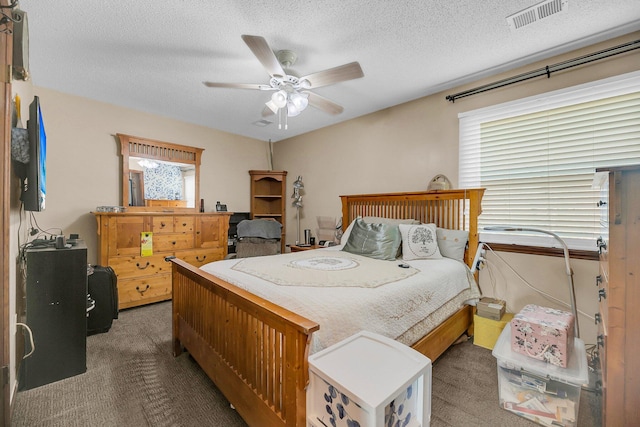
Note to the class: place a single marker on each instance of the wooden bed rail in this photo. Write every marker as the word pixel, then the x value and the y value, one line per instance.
pixel 255 351
pixel 446 208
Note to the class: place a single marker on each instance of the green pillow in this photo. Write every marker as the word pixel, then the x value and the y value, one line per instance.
pixel 379 241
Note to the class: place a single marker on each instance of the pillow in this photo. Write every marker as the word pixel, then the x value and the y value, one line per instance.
pixel 452 243
pixel 345 236
pixel 379 241
pixel 375 220
pixel 419 241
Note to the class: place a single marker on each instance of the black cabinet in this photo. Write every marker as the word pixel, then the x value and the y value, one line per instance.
pixel 56 313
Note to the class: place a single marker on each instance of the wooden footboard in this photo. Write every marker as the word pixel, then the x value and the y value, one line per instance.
pixel 254 351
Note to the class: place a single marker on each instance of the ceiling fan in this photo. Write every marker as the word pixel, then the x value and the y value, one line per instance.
pixel 292 94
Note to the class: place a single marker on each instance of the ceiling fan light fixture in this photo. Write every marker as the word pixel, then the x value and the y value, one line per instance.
pixel 297 103
pixel 299 100
pixel 279 98
pixel 292 110
pixel 272 106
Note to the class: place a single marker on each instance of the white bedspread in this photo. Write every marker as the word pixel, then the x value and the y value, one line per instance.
pixel 405 305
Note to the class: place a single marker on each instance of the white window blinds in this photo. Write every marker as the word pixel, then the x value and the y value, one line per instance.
pixel 537 158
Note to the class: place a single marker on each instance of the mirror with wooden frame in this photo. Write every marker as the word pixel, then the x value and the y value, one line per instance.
pixel 159 176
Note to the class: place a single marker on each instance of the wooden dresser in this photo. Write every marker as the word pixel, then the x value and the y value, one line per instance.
pixel 619 294
pixel 197 238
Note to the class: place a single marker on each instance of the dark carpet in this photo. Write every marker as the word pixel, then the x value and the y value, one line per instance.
pixel 132 379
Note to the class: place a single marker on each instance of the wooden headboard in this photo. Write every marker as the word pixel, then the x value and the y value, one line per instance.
pixel 453 209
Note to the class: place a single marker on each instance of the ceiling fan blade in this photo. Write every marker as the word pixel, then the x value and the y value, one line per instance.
pixel 265 55
pixel 266 112
pixel 322 103
pixel 334 75
pixel 239 85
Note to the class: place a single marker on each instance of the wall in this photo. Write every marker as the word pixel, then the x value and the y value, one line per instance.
pixel 403 147
pixel 83 160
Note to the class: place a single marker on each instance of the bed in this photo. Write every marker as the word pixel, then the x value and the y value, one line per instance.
pixel 256 350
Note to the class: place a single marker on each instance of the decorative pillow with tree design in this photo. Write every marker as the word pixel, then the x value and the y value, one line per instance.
pixel 419 242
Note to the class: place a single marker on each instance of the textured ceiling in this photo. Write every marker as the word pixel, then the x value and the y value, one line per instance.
pixel 153 55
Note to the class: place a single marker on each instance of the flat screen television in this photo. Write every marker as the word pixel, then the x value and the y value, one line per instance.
pixel 34 188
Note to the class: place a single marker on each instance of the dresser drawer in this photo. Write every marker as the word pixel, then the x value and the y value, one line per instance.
pixel 172 242
pixel 162 224
pixel 199 258
pixel 184 224
pixel 134 292
pixel 173 224
pixel 139 266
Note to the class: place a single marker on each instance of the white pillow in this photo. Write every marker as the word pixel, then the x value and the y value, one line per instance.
pixel 452 243
pixel 375 220
pixel 419 241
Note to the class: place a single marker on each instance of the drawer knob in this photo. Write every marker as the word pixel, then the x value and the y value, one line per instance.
pixel 598 318
pixel 142 291
pixel 184 224
pixel 173 243
pixel 598 280
pixel 142 268
pixel 162 225
pixel 200 260
pixel 602 294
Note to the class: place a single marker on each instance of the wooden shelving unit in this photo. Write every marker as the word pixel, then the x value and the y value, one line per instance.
pixel 268 197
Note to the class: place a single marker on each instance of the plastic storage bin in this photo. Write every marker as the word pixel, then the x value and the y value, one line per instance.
pixel 539 391
pixel 369 380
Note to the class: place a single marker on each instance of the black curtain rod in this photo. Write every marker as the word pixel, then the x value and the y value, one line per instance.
pixel 546 71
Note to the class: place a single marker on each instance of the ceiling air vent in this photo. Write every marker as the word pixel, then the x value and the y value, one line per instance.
pixel 536 12
pixel 262 123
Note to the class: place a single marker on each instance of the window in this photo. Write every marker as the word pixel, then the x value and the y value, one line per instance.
pixel 537 159
pixel 190 189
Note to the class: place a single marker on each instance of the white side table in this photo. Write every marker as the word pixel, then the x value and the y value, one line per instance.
pixel 366 379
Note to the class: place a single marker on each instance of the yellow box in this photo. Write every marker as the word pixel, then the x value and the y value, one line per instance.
pixel 487 331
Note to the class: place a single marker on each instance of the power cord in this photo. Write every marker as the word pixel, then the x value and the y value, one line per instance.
pixel 33 345
pixel 551 297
